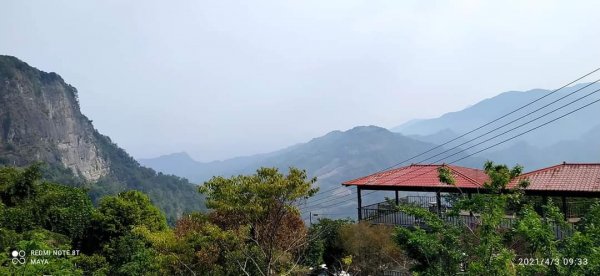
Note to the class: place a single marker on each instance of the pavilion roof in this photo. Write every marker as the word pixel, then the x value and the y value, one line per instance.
pixel 422 176
pixel 563 177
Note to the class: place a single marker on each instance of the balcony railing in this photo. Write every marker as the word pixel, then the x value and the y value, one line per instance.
pixel 387 214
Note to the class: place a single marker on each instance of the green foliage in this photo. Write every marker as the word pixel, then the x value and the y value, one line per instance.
pixel 489 254
pixel 64 210
pixel 585 245
pixel 494 248
pixel 18 185
pixel 370 250
pixel 95 265
pixel 254 228
pixel 127 174
pixel 127 235
pixel 440 248
pixel 118 215
pixel 57 173
pixel 39 240
pixel 255 195
pixel 436 249
pixel 131 255
pixel 325 245
pixel 445 175
pixel 263 207
pixel 32 204
pixel 36 215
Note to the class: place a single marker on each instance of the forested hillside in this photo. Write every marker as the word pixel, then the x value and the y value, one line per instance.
pixel 41 122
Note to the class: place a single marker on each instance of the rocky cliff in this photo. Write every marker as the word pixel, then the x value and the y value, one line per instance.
pixel 40 120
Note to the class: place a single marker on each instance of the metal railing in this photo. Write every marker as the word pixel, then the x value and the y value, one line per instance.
pixel 386 213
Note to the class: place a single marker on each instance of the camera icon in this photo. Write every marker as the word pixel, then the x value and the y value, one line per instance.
pixel 18 257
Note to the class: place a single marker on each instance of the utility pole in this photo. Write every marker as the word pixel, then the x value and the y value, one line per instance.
pixel 310 214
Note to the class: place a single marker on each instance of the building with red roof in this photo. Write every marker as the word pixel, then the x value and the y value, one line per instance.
pixel 421 178
pixel 564 180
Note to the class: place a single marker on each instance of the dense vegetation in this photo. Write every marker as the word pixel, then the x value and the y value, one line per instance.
pixel 38 215
pixel 255 228
pixel 173 195
pixel 528 247
pixel 127 175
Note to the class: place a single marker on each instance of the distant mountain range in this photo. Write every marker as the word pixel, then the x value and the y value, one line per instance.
pixel 344 155
pixel 332 158
pixel 573 138
pixel 586 149
pixel 40 120
pixel 570 128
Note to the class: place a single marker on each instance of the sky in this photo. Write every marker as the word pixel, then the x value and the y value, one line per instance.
pixel 220 79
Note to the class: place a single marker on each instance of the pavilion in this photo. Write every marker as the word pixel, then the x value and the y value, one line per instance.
pixel 563 181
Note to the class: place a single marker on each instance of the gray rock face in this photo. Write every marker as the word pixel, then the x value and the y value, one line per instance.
pixel 40 120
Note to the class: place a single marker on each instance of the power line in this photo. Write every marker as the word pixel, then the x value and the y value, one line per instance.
pixel 319 201
pixel 478 128
pixel 504 141
pixel 505 132
pixel 511 138
pixel 515 120
pixel 491 122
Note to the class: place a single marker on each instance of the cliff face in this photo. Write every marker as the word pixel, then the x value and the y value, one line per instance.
pixel 41 121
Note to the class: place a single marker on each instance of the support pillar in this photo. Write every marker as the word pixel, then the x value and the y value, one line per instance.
pixel 438 199
pixel 564 207
pixel 544 203
pixel 358 192
pixel 470 197
pixel 397 199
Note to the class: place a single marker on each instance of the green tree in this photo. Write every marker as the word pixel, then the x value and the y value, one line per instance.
pixel 263 203
pixel 17 185
pixel 490 254
pixel 370 250
pixel 325 245
pixel 584 246
pixel 130 254
pixel 40 240
pixel 64 210
pixel 117 215
pixel 436 249
pixel 51 206
pixel 37 215
pixel 537 238
pixel 440 248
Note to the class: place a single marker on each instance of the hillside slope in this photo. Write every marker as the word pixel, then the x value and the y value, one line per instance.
pixel 40 120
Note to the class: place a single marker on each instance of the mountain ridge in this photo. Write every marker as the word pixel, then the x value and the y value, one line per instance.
pixel 333 158
pixel 487 110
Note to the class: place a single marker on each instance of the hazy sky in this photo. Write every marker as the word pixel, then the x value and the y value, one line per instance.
pixel 226 78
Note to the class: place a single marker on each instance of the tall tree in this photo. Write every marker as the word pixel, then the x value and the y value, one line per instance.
pixel 264 203
pixel 440 248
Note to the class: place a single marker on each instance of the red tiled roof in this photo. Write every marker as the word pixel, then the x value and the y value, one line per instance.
pixel 564 177
pixel 422 176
